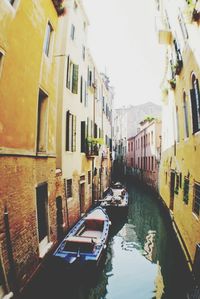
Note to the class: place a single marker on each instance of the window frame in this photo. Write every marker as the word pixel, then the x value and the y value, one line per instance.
pixel 195 104
pixel 42 122
pixel 197 214
pixel 2 57
pixel 48 41
pixel 186 119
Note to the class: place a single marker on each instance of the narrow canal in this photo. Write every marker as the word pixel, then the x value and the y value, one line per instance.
pixel 143 261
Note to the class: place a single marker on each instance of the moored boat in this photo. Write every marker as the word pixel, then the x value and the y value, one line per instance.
pixel 86 241
pixel 115 199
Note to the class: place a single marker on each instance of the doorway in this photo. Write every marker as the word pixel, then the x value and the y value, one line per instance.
pixel 82 198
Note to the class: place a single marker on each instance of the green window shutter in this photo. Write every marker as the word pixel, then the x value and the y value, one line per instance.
pixel 67 131
pixel 194 111
pixel 74 134
pixel 75 79
pixel 81 90
pixel 68 72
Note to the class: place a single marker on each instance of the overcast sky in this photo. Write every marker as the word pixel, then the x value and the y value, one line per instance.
pixel 123 43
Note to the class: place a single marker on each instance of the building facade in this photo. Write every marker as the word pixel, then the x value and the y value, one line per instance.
pixel 144 152
pixel 55 131
pixel 126 122
pixel 84 123
pixel 179 172
pixel 27 138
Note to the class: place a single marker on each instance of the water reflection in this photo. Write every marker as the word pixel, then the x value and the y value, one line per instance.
pixel 143 261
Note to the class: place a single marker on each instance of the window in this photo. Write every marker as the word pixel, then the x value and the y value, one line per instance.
pixel 95 130
pixel 42 122
pixel 72 76
pixel 85 95
pixel 131 162
pixel 131 146
pixel 152 137
pixel 180 180
pixel 83 136
pixel 42 212
pixel 177 184
pixel 166 178
pixel 81 90
pixel 185 111
pixel 70 132
pixel 1 61
pixel 72 34
pixel 89 77
pixel 89 177
pixel 177 126
pixel 83 52
pixel 196 199
pixel 11 1
pixel 48 39
pixel 186 190
pixel 195 104
pixel 69 188
pixel 138 162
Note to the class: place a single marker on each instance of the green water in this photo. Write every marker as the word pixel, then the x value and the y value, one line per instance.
pixel 143 261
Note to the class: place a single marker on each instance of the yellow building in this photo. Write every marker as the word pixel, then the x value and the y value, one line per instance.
pixel 80 117
pixel 27 137
pixel 179 30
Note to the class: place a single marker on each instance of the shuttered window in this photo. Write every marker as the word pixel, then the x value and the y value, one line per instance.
pixel 196 199
pixel 185 111
pixel 70 132
pixel 68 187
pixel 74 133
pixel 68 72
pixel 195 105
pixel 186 190
pixel 81 90
pixel 75 79
pixel 72 76
pixel 83 137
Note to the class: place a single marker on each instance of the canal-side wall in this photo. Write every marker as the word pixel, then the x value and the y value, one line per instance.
pixel 20 177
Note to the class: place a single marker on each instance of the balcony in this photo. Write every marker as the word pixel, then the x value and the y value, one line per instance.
pixel 91 149
pixel 164 32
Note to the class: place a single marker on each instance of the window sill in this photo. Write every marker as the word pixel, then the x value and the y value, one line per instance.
pixel 44 249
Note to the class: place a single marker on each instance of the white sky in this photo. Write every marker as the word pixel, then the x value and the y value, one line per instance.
pixel 123 42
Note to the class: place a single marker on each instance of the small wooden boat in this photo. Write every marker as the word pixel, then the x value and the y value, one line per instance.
pixel 115 198
pixel 87 240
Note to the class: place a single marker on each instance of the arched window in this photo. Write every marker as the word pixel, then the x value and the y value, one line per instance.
pixel 195 104
pixel 185 111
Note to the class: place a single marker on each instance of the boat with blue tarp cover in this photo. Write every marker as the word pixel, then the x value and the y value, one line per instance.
pixel 86 241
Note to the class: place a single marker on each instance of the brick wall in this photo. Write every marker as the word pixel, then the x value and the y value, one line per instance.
pixel 19 178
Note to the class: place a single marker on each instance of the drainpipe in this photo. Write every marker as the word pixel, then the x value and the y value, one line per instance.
pixel 12 273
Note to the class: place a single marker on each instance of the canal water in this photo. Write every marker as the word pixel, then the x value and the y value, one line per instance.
pixel 143 261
